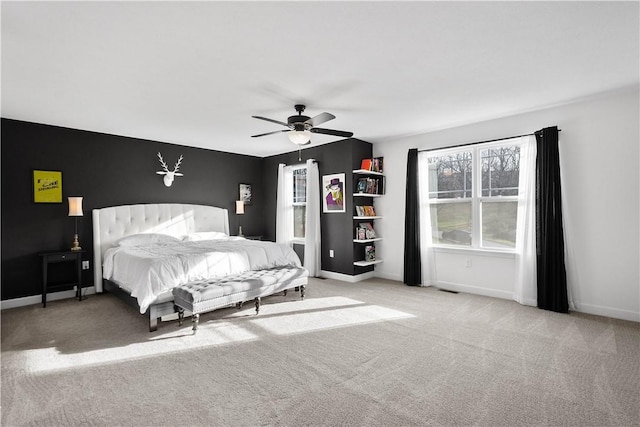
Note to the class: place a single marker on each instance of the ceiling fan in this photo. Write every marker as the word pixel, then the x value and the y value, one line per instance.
pixel 301 127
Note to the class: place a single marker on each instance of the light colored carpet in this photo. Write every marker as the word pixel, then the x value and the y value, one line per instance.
pixel 363 354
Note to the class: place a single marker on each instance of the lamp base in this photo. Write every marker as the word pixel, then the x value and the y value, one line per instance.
pixel 76 244
pixel 240 231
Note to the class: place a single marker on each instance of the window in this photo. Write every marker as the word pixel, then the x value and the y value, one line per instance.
pixel 299 201
pixel 473 195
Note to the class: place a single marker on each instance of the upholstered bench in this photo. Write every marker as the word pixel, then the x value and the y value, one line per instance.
pixel 207 295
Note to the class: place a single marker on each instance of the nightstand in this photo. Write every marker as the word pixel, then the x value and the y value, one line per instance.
pixel 56 257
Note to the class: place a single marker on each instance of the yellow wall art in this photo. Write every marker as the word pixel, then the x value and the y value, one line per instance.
pixel 47 186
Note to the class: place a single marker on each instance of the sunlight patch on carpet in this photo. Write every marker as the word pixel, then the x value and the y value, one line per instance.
pixel 179 339
pixel 295 306
pixel 275 319
pixel 318 320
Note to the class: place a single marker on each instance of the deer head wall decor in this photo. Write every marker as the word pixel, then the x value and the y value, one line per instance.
pixel 169 175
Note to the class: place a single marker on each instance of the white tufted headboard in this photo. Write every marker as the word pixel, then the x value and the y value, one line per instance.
pixel 112 223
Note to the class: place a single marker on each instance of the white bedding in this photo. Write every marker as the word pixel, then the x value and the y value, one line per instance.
pixel 150 270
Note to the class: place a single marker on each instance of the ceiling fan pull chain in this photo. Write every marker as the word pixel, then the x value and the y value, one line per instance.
pixel 299 154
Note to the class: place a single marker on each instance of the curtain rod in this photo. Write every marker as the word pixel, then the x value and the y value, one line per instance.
pixel 481 142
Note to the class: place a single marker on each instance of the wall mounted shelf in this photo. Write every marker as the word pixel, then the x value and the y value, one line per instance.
pixel 367 263
pixel 367 195
pixel 367 240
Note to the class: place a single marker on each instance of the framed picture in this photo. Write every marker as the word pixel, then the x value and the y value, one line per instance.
pixel 333 193
pixel 245 193
pixel 47 186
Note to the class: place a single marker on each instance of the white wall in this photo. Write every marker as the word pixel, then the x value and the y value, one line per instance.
pixel 600 157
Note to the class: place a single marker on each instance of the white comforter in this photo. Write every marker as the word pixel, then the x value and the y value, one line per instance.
pixel 148 271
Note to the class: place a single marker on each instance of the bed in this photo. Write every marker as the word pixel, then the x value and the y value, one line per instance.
pixel 142 252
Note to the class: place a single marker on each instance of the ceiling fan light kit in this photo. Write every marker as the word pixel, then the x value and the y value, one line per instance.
pixel 301 127
pixel 299 137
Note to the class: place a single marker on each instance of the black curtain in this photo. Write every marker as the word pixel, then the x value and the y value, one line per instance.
pixel 552 277
pixel 412 268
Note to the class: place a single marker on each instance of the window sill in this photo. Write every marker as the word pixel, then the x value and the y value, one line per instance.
pixel 298 241
pixel 475 251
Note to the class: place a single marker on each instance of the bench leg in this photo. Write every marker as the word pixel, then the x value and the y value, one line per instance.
pixel 302 292
pixel 180 316
pixel 257 301
pixel 285 292
pixel 194 319
pixel 239 305
pixel 153 324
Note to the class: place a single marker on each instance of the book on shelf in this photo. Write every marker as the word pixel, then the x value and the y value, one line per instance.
pixel 369 232
pixel 361 233
pixel 365 164
pixel 370 253
pixel 365 211
pixel 370 185
pixel 374 164
pixel 369 211
pixel 362 185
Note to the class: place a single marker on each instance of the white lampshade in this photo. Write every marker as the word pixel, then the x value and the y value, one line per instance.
pixel 299 137
pixel 239 207
pixel 75 206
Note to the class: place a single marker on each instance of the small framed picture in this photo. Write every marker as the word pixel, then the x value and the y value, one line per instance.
pixel 245 193
pixel 333 193
pixel 47 186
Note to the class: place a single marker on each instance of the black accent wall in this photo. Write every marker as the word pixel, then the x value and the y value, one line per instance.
pixel 109 170
pixel 337 229
pixel 106 170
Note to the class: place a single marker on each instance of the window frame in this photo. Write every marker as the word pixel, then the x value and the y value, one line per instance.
pixel 477 199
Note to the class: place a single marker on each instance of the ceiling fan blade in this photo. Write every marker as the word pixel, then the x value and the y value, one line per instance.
pixel 320 118
pixel 271 120
pixel 270 133
pixel 332 132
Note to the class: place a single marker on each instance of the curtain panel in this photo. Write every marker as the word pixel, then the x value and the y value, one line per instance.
pixel 525 286
pixel 284 205
pixel 551 272
pixel 312 221
pixel 412 258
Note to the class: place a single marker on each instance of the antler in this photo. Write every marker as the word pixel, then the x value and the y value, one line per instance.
pixel 164 165
pixel 175 169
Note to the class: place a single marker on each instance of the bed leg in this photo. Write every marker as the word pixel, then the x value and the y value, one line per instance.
pixel 257 301
pixel 302 292
pixel 194 319
pixel 285 292
pixel 180 316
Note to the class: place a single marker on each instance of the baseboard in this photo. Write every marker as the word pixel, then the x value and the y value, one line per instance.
pixel 346 277
pixel 495 293
pixel 389 276
pixel 615 313
pixel 37 299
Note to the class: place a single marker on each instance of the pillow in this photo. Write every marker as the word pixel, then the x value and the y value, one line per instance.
pixel 204 235
pixel 146 239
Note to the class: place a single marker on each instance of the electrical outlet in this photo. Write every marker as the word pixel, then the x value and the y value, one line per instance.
pixel 468 264
pixel 330 253
pixel 85 265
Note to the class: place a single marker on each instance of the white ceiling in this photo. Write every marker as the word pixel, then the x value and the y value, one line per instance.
pixel 193 73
